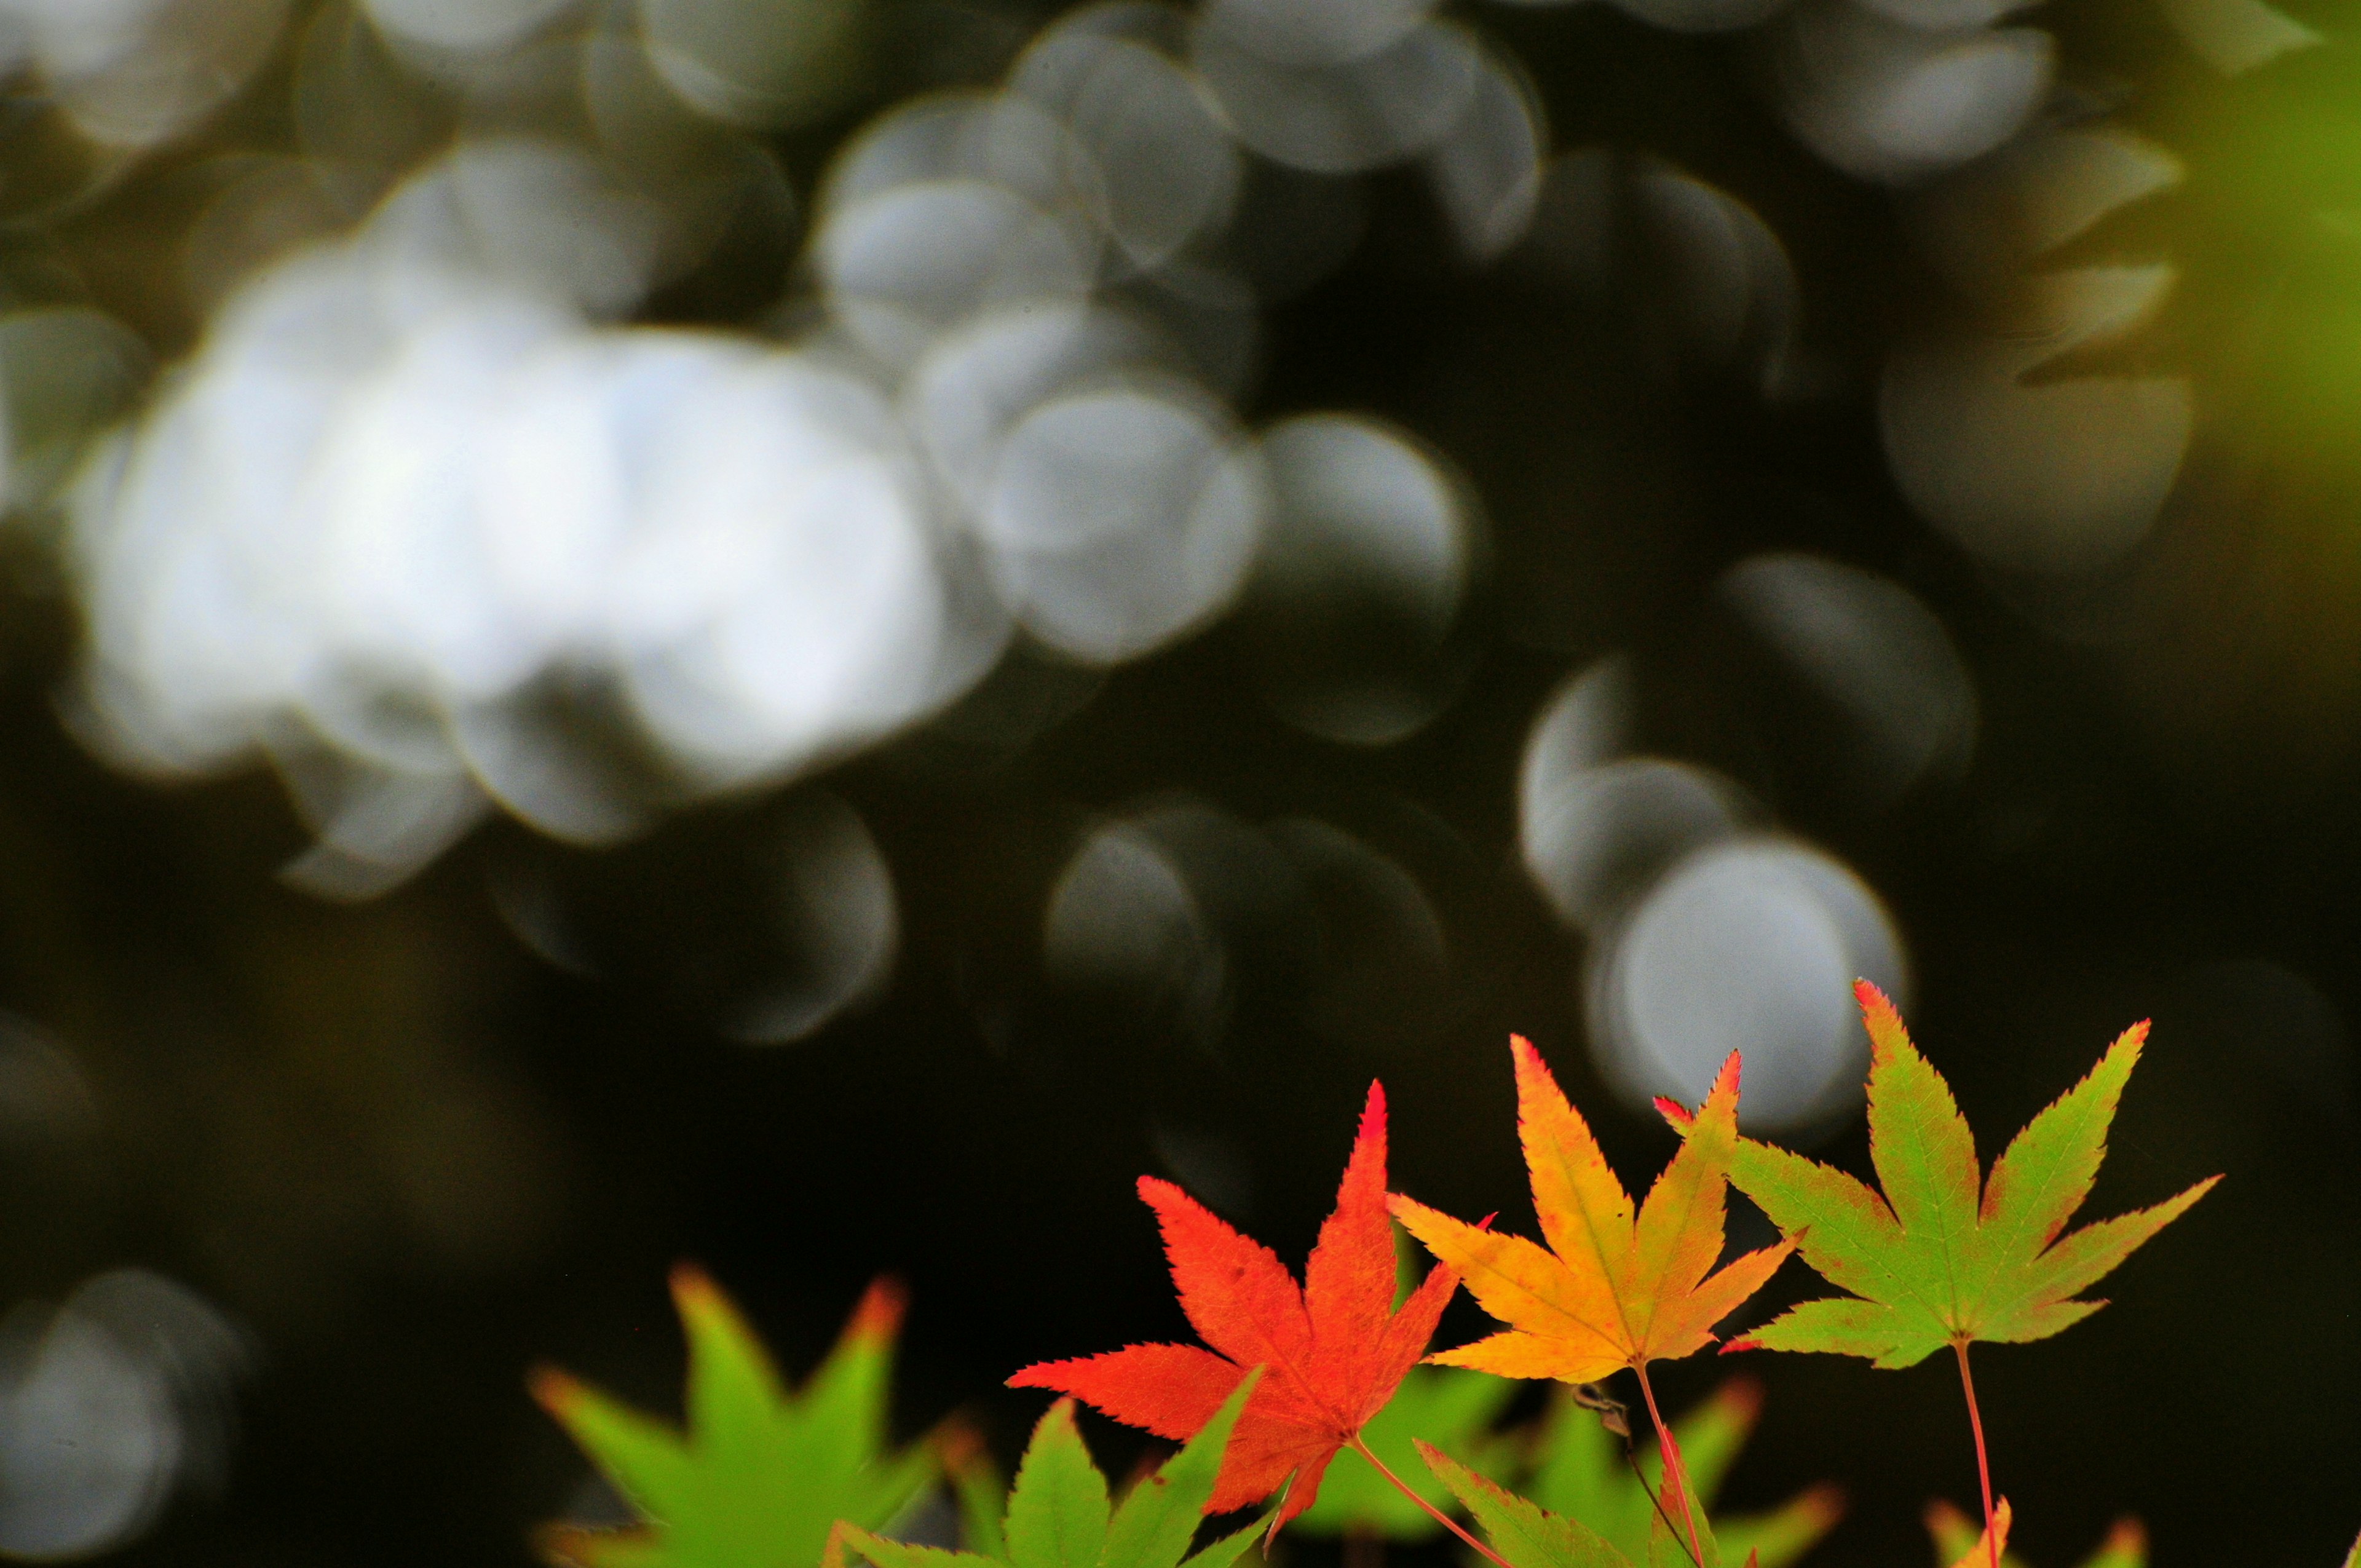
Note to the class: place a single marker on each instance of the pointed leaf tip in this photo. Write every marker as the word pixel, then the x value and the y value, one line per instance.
pixel 553 1390
pixel 878 1318
pixel 2127 1536
pixel 1673 1111
pixel 1368 1153
pixel 1742 1343
pixel 1740 1400
pixel 960 1447
pixel 1527 1057
pixel 1880 1017
pixel 692 1286
pixel 1822 1505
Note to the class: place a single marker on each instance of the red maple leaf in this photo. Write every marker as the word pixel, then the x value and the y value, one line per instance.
pixel 1334 1345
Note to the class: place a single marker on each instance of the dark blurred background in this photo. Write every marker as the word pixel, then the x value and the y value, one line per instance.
pixel 808 634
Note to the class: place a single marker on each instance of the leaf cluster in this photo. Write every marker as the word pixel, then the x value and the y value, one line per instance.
pixel 1294 1373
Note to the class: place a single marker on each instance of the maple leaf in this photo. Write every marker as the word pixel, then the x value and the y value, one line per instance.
pixel 1448 1406
pixel 1581 1473
pixel 1955 1542
pixel 1334 1345
pixel 1610 1290
pixel 1945 1257
pixel 1060 1514
pixel 1452 1409
pixel 760 1475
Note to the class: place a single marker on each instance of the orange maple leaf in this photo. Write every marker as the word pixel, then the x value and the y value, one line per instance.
pixel 1610 1290
pixel 1334 1345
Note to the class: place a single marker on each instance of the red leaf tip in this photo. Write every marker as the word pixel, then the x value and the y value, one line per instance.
pixel 1741 1397
pixel 1673 1111
pixel 961 1448
pixel 878 1318
pixel 1881 1018
pixel 1042 1374
pixel 1738 1344
pixel 1369 1138
pixel 691 1285
pixel 555 1391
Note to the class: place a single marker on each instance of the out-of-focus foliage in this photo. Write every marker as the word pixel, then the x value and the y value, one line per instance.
pixel 1527 1536
pixel 1956 1536
pixel 760 1473
pixel 1579 1470
pixel 1060 1514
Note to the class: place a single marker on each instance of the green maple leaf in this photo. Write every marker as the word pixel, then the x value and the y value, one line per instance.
pixel 1956 1535
pixel 1060 1514
pixel 760 1475
pixel 1450 1407
pixel 1580 1471
pixel 1527 1535
pixel 1943 1256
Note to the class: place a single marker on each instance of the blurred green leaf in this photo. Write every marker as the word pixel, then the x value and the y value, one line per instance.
pixel 761 1475
pixel 1579 1471
pixel 1059 1515
pixel 978 1487
pixel 1523 1533
pixel 2124 1547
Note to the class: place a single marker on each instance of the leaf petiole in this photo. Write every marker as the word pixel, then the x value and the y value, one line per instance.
pixel 1407 1490
pixel 1983 1469
pixel 1632 1460
pixel 1676 1472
